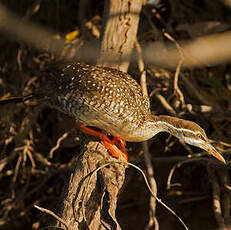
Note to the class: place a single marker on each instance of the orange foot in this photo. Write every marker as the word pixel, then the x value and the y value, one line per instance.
pixel 116 147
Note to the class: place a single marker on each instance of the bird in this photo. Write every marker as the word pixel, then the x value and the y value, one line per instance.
pixel 112 101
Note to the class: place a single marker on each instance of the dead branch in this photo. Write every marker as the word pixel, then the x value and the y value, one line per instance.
pixel 224 178
pixel 57 145
pixel 52 214
pixel 147 156
pixel 216 198
pixel 165 104
pixel 92 204
pixel 19 139
pixel 177 90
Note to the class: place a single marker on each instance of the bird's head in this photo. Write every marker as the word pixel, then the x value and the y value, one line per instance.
pixel 191 133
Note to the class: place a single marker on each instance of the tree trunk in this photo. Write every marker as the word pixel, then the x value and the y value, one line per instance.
pixel 92 204
pixel 122 19
pixel 91 198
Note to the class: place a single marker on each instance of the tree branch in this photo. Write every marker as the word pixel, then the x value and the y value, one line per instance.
pixel 90 202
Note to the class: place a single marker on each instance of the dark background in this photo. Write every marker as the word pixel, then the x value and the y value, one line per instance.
pixel 29 132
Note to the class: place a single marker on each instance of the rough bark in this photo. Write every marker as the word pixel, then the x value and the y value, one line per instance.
pixel 122 19
pixel 90 201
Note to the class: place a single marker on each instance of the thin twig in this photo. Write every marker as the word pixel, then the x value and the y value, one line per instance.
pixel 193 158
pixel 57 145
pixel 149 188
pixel 143 82
pixel 52 214
pixel 176 87
pixel 24 130
pixel 152 203
pixel 27 151
pixel 194 91
pixel 140 59
pixel 17 168
pixel 177 72
pixel 165 104
pixel 146 182
pixel 147 156
pixel 216 198
pixel 224 179
pixel 170 175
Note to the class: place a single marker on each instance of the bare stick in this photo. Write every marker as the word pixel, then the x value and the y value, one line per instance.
pixel 165 104
pixel 151 191
pixel 224 179
pixel 216 198
pixel 147 156
pixel 91 174
pixel 57 145
pixel 152 203
pixel 177 72
pixel 52 214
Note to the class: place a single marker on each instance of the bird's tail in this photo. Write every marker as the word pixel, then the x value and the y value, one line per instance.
pixel 16 99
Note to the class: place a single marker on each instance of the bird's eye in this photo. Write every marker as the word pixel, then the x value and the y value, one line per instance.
pixel 200 137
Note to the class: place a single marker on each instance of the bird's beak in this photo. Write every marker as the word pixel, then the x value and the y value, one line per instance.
pixel 211 150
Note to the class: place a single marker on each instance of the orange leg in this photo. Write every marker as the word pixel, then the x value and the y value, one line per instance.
pixel 120 143
pixel 115 151
pixel 119 153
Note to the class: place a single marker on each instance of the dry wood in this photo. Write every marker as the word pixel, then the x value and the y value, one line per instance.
pixel 153 222
pixel 119 35
pixel 217 207
pixel 90 203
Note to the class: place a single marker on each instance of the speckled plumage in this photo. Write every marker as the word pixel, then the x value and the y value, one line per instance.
pixel 112 101
pixel 97 96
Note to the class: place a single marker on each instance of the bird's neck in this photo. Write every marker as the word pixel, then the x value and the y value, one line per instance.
pixel 172 125
pixel 156 124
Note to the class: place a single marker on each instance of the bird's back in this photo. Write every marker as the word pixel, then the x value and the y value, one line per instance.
pixel 98 96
